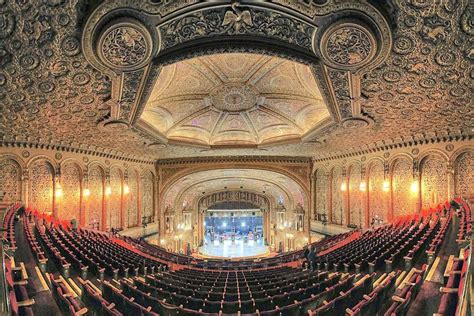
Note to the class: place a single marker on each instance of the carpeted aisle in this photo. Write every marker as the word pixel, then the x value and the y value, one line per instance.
pixel 44 302
pixel 428 299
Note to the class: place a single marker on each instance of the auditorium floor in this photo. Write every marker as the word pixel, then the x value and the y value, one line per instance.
pixel 236 249
pixel 44 305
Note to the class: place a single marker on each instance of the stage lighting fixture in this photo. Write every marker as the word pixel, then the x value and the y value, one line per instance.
pixel 242 224
pixel 224 224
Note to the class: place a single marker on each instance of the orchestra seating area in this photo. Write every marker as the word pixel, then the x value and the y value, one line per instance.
pixel 380 272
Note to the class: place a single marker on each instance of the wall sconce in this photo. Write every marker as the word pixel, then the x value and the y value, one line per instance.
pixel 343 186
pixel 59 191
pixel 126 189
pixel 162 241
pixel 363 186
pixel 386 186
pixel 414 186
pixel 87 192
pixel 108 190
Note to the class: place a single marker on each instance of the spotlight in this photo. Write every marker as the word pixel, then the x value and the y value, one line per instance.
pixel 224 224
pixel 242 224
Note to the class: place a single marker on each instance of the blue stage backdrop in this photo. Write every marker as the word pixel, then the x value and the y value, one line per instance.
pixel 242 225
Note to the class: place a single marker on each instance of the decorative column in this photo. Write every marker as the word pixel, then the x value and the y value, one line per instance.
pixel 387 188
pixel 345 196
pixel 450 181
pixel 416 186
pixel 106 211
pixel 57 191
pixel 84 197
pixel 123 222
pixel 365 195
pixel 24 186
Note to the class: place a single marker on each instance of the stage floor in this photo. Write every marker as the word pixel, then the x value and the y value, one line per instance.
pixel 236 249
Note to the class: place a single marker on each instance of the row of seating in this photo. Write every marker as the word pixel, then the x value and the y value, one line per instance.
pixel 36 248
pixel 465 224
pixel 216 264
pixel 8 235
pixel 373 303
pixel 454 283
pixel 66 299
pixel 97 305
pixel 406 292
pixel 435 244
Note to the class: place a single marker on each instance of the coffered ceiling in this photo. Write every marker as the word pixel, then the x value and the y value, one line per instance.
pixel 235 99
pixel 243 101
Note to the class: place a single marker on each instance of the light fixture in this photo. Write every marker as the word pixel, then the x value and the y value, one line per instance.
pixel 108 190
pixel 363 186
pixel 126 189
pixel 87 192
pixel 224 224
pixel 162 241
pixel 386 186
pixel 242 224
pixel 414 186
pixel 343 186
pixel 59 191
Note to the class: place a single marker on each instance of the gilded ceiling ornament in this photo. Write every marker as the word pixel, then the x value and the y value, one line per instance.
pixel 237 18
pixel 234 97
pixel 348 46
pixel 25 153
pixel 7 24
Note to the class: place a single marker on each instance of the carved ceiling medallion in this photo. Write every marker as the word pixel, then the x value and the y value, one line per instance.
pixel 234 97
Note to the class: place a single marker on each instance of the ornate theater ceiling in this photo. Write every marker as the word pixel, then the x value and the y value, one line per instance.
pixel 235 99
pixel 85 76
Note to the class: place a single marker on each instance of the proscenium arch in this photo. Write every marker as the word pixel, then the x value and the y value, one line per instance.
pixel 201 198
pixel 178 195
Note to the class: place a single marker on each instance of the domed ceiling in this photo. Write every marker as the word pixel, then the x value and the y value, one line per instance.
pixel 235 99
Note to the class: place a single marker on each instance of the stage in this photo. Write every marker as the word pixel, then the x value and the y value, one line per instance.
pixel 234 249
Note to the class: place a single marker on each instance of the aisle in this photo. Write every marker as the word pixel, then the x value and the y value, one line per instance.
pixel 44 303
pixel 428 299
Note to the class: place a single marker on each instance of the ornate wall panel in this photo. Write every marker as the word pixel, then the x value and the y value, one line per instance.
pixel 147 194
pixel 377 197
pixel 41 186
pixel 115 203
pixel 357 216
pixel 70 201
pixel 402 178
pixel 96 198
pixel 338 209
pixel 434 181
pixel 133 200
pixel 10 180
pixel 464 175
pixel 322 192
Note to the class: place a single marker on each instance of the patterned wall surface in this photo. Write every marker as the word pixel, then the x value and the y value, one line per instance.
pixel 70 201
pixel 115 204
pixel 403 198
pixel 147 194
pixel 357 216
pixel 322 192
pixel 10 180
pixel 132 200
pixel 434 184
pixel 41 186
pixel 338 209
pixel 96 198
pixel 464 175
pixel 377 197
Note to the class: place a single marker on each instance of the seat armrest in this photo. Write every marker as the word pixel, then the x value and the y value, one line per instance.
pixel 398 299
pixel 28 302
pixel 448 289
pixel 83 311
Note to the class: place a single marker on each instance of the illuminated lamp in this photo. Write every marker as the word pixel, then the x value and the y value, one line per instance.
pixel 386 186
pixel 363 186
pixel 87 192
pixel 126 189
pixel 414 186
pixel 108 190
pixel 343 186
